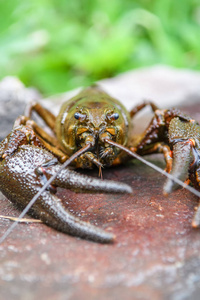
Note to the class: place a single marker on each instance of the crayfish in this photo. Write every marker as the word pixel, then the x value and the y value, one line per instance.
pixel 91 129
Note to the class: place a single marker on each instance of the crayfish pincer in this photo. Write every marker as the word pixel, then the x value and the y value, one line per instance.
pixel 177 136
pixel 25 165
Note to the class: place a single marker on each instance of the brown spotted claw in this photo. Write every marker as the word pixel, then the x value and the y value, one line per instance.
pixel 25 166
pixel 177 136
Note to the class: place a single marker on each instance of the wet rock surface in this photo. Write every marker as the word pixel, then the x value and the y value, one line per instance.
pixel 155 256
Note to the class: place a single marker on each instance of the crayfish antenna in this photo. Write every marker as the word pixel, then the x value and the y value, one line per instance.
pixel 156 168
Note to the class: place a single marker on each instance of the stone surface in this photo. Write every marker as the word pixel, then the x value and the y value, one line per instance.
pixel 155 256
pixel 13 99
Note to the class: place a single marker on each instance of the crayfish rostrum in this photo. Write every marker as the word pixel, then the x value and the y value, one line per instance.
pixel 91 129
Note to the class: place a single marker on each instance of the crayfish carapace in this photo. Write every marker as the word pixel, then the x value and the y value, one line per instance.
pixel 92 129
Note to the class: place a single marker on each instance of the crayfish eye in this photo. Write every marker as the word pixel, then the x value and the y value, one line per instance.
pixel 112 117
pixel 115 116
pixel 79 116
pixel 76 115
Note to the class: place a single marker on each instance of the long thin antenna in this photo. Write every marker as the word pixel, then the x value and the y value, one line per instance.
pixel 26 209
pixel 181 183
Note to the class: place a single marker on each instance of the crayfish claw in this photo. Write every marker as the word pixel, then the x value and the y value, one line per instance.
pixel 26 169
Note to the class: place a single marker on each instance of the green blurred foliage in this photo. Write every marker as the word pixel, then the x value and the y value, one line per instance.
pixel 59 45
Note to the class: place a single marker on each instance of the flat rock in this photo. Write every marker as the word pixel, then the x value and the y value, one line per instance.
pixel 156 253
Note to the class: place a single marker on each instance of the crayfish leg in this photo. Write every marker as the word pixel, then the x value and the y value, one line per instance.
pixel 139 107
pixel 44 114
pixel 48 141
pixel 161 148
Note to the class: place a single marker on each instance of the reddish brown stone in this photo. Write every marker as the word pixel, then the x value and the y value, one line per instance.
pixel 155 256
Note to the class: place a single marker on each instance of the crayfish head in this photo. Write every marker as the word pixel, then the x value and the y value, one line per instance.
pixel 95 124
pixel 89 118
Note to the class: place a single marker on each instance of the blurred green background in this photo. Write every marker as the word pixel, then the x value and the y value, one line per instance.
pixel 59 45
